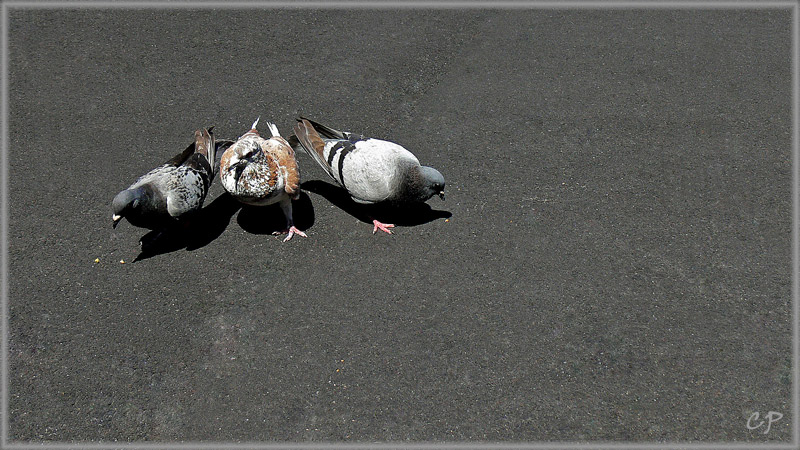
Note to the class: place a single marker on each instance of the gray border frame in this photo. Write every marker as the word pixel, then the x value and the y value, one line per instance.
pixel 403 4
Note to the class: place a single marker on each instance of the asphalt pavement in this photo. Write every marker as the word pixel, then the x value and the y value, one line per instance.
pixel 612 261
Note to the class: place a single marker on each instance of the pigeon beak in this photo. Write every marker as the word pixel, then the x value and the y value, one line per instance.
pixel 116 218
pixel 240 165
pixel 441 195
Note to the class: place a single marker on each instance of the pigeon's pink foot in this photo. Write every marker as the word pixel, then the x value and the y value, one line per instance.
pixel 382 226
pixel 292 232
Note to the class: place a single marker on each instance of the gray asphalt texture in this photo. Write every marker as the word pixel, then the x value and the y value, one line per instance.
pixel 612 261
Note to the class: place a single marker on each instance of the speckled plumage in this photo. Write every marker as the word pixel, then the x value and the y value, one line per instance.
pixel 258 171
pixel 171 190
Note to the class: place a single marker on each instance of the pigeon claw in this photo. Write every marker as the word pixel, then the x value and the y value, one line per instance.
pixel 382 226
pixel 292 231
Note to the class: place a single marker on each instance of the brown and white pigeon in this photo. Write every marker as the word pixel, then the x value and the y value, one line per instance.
pixel 258 171
pixel 371 170
pixel 171 191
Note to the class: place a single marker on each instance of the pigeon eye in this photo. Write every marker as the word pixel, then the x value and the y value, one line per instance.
pixel 252 150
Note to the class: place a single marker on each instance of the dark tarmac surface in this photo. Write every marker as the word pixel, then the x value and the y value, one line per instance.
pixel 616 264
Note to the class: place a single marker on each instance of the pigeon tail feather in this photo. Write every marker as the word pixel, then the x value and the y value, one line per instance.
pixel 312 143
pixel 327 132
pixel 273 129
pixel 205 145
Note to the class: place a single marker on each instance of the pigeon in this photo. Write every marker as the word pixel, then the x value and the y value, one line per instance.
pixel 172 191
pixel 258 171
pixel 370 170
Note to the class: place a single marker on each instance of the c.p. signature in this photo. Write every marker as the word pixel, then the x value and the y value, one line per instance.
pixel 753 422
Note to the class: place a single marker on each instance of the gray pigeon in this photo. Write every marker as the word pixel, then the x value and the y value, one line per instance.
pixel 172 190
pixel 371 170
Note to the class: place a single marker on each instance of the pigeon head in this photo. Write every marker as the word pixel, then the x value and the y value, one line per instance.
pixel 240 160
pixel 425 183
pixel 125 203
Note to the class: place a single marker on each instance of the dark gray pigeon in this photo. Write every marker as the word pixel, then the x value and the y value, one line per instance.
pixel 172 190
pixel 371 170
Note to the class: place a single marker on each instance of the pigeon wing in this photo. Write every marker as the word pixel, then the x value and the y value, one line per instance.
pixel 373 170
pixel 187 190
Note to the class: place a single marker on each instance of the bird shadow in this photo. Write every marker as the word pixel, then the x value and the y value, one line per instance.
pixel 270 219
pixel 406 215
pixel 192 233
